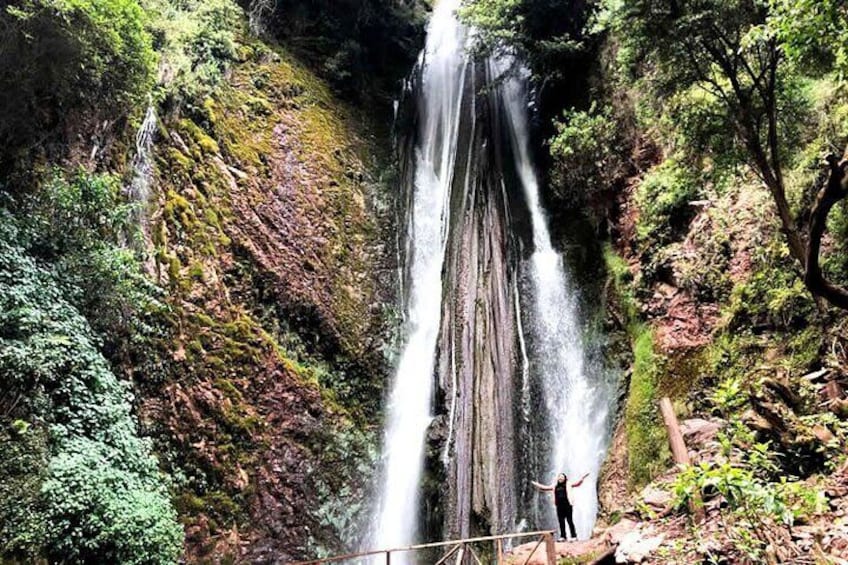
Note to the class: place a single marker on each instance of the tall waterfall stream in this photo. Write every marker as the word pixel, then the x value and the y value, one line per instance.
pixel 493 370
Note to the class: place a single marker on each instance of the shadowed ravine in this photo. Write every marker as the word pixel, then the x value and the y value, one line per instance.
pixel 492 387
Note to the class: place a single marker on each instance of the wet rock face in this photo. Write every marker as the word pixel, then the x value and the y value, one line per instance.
pixel 273 256
pixel 476 359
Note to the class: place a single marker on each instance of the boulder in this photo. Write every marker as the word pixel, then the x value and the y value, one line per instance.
pixel 697 431
pixel 656 497
pixel 636 546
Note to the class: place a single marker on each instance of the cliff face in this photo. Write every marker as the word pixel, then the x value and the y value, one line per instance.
pixel 270 244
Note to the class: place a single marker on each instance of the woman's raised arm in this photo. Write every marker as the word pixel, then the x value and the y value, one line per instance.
pixel 540 486
pixel 580 482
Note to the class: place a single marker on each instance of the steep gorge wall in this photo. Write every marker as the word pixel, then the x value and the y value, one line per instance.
pixel 268 240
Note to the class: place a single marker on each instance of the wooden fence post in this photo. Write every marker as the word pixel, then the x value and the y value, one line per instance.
pixel 550 549
pixel 679 451
pixel 500 551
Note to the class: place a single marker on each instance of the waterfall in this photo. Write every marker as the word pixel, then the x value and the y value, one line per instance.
pixel 491 321
pixel 409 406
pixel 142 165
pixel 577 404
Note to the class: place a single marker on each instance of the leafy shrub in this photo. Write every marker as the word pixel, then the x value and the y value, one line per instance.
pixel 773 295
pixel 102 497
pixel 811 32
pixel 585 162
pixel 196 40
pixel 729 396
pixel 75 223
pixel 60 59
pixel 753 503
pixel 23 464
pixel 99 507
pixel 663 199
pixel 72 214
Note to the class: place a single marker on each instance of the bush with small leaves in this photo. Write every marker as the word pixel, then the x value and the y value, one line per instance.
pixel 102 497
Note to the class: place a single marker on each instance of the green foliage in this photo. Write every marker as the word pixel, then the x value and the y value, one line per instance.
pixel 622 280
pixel 546 33
pixel 23 464
pixel 773 295
pixel 752 502
pixel 64 59
pixel 76 223
pixel 662 199
pixel 72 214
pixel 99 507
pixel 711 79
pixel 812 32
pixel 586 161
pixel 729 396
pixel 102 496
pixel 196 42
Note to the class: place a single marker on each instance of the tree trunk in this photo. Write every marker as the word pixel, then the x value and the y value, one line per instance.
pixel 833 191
pixel 778 193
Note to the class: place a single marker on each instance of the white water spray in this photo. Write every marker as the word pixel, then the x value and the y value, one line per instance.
pixel 577 408
pixel 410 399
pixel 142 165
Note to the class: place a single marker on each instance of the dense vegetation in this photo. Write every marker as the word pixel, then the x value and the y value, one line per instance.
pixel 692 134
pixel 79 483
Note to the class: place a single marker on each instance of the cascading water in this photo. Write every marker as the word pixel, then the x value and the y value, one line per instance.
pixel 577 407
pixel 139 190
pixel 409 408
pixel 472 209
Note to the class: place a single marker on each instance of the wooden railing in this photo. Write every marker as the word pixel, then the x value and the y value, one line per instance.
pixel 456 551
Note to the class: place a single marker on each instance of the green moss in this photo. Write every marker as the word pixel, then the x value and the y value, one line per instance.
pixel 647 443
pixel 206 144
pixel 227 387
pixel 804 349
pixel 195 271
pixel 195 346
pixel 216 504
pixel 178 159
pixel 211 218
pixel 621 278
pixel 174 267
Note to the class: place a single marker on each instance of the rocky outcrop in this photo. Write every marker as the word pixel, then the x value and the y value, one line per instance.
pixel 269 246
pixel 478 347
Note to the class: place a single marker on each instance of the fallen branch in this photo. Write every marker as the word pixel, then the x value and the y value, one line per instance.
pixel 680 453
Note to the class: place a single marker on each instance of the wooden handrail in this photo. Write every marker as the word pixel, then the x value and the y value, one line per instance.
pixel 424 546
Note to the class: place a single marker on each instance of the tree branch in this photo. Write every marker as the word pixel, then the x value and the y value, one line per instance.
pixel 833 191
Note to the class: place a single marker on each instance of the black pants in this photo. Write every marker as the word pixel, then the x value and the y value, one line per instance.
pixel 564 514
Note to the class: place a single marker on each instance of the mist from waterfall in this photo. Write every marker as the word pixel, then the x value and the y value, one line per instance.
pixel 409 408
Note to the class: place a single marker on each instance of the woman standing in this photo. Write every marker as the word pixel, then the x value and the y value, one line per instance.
pixel 563 504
